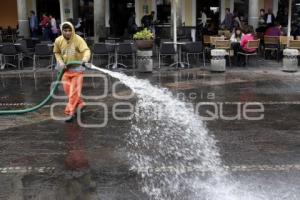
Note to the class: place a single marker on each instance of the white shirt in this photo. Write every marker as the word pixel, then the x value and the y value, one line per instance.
pixel 53 25
pixel 234 39
pixel 269 19
pixel 203 19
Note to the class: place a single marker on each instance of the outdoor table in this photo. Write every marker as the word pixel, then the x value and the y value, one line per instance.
pixel 116 63
pixel 180 62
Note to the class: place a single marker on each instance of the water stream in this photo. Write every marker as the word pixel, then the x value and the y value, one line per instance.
pixel 170 148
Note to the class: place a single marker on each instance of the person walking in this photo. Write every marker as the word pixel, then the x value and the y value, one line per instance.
pixel 53 29
pixel 33 24
pixel 45 26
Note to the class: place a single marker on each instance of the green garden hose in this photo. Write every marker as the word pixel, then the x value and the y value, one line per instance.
pixel 42 103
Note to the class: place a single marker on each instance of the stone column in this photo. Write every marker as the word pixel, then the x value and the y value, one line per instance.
pixel 23 18
pixel 138 16
pixel 107 13
pixel 154 8
pixel 231 6
pixel 33 3
pixel 253 13
pixel 275 7
pixel 62 12
pixel 222 11
pixel 99 19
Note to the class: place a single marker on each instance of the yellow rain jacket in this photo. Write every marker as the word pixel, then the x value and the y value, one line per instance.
pixel 74 49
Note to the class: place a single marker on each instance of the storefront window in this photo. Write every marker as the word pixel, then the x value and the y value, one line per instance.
pixel 120 11
pixel 86 14
pixel 48 7
pixel 241 8
pixel 296 12
pixel 163 11
pixel 211 8
pixel 282 15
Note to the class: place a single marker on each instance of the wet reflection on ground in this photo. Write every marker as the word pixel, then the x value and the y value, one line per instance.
pixel 42 158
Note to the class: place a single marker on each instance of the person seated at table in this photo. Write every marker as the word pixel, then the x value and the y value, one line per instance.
pixel 274 30
pixel 295 30
pixel 235 40
pixel 237 35
pixel 249 35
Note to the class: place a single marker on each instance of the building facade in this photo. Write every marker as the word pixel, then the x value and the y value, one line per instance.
pixel 102 15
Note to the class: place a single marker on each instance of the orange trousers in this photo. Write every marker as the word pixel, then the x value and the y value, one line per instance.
pixel 72 84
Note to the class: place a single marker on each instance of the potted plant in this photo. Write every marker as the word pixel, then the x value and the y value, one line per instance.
pixel 144 39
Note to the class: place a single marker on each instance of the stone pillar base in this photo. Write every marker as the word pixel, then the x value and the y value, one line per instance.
pixel 144 61
pixel 218 62
pixel 290 60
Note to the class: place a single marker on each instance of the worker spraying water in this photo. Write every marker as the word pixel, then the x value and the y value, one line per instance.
pixel 71 53
pixel 70 47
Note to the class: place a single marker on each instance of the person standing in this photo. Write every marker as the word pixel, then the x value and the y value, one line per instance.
pixel 33 24
pixel 53 29
pixel 79 28
pixel 269 18
pixel 203 19
pixel 235 40
pixel 228 20
pixel 248 36
pixel 132 27
pixel 45 26
pixel 261 19
pixel 261 22
pixel 67 48
pixel 148 21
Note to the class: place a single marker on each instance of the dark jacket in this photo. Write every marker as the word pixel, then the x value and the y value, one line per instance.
pixel 147 21
pixel 132 27
pixel 228 21
pixel 272 18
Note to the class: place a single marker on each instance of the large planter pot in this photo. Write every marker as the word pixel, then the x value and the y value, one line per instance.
pixel 144 61
pixel 144 44
pixel 290 60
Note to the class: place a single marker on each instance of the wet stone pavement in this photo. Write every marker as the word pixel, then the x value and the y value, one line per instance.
pixel 44 158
